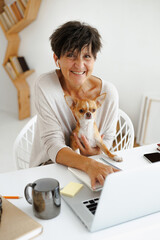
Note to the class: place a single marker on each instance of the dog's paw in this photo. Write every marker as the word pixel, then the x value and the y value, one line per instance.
pixel 117 158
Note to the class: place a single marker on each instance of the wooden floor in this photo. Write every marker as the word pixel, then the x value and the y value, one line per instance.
pixel 136 144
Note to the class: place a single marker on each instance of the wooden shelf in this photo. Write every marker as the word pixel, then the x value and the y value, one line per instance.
pixel 26 74
pixel 30 15
pixel 12 47
pixel 23 75
pixel 13 39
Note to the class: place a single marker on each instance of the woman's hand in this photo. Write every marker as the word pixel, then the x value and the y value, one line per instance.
pixel 85 148
pixel 98 171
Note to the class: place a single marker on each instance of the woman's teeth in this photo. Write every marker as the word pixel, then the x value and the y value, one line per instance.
pixel 79 73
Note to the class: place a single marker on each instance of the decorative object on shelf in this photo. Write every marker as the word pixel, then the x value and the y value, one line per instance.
pixel 148 127
pixel 14 17
pixel 1 5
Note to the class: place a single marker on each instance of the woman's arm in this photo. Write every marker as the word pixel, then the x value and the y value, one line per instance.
pixel 108 114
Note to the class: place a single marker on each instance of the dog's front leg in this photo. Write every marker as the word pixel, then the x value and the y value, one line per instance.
pixel 103 147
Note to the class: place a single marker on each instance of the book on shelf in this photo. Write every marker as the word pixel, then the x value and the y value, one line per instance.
pixel 23 64
pixel 2 3
pixel 10 70
pixel 9 14
pixel 24 2
pixel 20 7
pixel 16 11
pixel 12 13
pixel 15 64
pixel 16 224
pixel 7 20
pixel 3 22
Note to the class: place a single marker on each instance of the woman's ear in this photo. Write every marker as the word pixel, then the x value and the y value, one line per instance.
pixel 56 60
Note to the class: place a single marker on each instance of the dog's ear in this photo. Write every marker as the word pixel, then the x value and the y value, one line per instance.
pixel 70 101
pixel 100 99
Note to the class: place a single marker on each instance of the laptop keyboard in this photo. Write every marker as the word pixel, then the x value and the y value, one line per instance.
pixel 91 205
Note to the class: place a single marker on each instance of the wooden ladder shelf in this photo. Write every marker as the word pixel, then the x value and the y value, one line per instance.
pixel 12 36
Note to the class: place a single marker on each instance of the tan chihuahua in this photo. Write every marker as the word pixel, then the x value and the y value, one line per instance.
pixel 85 112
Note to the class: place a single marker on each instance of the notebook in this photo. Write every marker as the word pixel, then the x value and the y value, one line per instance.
pixel 15 224
pixel 126 195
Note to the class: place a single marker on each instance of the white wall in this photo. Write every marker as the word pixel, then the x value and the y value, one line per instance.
pixel 130 57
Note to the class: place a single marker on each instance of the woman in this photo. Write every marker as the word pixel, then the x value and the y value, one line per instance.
pixel 75 46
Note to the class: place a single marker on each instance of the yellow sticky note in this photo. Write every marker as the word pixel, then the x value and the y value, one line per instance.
pixel 71 189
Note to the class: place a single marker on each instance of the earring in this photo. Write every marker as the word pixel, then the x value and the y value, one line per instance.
pixel 57 63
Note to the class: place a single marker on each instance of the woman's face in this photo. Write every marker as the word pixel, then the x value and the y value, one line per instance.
pixel 77 67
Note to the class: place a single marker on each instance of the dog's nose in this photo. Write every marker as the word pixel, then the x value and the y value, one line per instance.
pixel 88 114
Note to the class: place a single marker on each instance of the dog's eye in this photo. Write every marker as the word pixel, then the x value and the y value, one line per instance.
pixel 93 110
pixel 81 111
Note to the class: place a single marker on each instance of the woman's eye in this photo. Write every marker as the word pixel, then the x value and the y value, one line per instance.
pixel 81 110
pixel 87 56
pixel 70 55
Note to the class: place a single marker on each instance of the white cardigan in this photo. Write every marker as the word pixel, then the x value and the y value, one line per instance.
pixel 55 120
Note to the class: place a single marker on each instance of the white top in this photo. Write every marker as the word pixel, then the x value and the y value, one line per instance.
pixel 55 120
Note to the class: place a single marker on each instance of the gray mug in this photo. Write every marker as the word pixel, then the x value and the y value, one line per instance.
pixel 45 200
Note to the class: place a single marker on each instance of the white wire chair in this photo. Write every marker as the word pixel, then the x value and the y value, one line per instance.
pixel 124 139
pixel 23 144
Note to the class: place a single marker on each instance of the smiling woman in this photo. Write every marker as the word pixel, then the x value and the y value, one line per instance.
pixel 75 68
pixel 75 46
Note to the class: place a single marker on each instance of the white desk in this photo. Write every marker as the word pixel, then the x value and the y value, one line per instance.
pixel 67 225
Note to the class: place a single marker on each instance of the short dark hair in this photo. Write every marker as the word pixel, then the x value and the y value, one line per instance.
pixel 75 35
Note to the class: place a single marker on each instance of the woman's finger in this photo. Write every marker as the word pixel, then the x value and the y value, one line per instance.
pixel 100 179
pixel 85 142
pixel 93 183
pixel 116 170
pixel 78 142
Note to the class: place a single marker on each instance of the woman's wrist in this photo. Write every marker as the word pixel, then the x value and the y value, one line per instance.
pixel 68 157
pixel 87 164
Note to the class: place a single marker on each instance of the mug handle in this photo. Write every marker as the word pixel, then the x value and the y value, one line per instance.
pixel 26 193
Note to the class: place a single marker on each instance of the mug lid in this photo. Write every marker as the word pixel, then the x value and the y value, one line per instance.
pixel 45 184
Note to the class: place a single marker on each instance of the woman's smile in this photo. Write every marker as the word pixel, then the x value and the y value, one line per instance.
pixel 78 73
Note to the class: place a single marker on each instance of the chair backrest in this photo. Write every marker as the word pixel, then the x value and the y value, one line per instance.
pixel 124 138
pixel 23 144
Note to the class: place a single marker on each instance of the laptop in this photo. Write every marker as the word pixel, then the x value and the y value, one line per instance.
pixel 126 195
